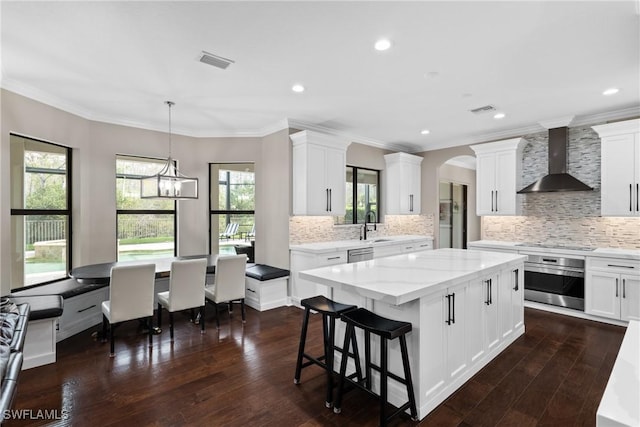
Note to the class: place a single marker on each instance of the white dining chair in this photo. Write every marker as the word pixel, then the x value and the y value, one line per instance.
pixel 228 284
pixel 130 297
pixel 186 290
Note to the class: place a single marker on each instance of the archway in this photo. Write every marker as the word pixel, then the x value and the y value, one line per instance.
pixel 457 223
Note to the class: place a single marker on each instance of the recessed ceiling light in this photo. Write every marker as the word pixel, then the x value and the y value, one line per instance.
pixel 611 91
pixel 298 88
pixel 425 132
pixel 499 116
pixel 382 44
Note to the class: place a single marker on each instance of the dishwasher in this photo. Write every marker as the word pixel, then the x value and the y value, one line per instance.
pixel 360 254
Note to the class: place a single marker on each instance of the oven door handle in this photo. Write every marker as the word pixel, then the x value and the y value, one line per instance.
pixel 558 271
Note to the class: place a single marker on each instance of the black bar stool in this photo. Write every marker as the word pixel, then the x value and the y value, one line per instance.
pixel 330 311
pixel 386 329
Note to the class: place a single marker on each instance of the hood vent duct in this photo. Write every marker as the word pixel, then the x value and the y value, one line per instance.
pixel 558 179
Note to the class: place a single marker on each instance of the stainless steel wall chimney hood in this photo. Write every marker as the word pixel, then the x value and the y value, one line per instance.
pixel 558 179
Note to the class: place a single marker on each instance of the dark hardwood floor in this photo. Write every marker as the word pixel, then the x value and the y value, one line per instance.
pixel 553 375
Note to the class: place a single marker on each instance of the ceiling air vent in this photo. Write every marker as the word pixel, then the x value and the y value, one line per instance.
pixel 215 60
pixel 484 109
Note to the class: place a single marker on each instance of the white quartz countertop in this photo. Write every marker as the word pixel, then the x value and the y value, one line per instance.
pixel 337 245
pixel 620 403
pixel 519 246
pixel 402 278
pixel 617 253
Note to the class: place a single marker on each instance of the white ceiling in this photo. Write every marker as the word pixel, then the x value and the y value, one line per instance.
pixel 119 61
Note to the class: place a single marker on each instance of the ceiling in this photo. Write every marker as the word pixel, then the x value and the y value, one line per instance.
pixel 118 62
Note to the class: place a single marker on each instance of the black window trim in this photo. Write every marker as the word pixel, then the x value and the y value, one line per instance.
pixel 173 211
pixel 67 212
pixel 224 211
pixel 354 194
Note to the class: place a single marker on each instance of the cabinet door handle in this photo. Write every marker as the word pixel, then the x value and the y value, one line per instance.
pixel 637 195
pixel 497 201
pixel 616 288
pixel 251 290
pixel 491 200
pixel 517 272
pixel 624 288
pixel 88 308
pixel 330 204
pixel 620 266
pixel 448 321
pixel 630 198
pixel 453 296
pixel 326 191
pixel 332 258
pixel 486 301
pixel 410 202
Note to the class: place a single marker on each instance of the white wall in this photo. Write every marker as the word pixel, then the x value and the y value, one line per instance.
pixel 95 145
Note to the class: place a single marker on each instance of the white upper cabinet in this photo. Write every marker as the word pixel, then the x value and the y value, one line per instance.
pixel 498 172
pixel 402 178
pixel 620 173
pixel 319 174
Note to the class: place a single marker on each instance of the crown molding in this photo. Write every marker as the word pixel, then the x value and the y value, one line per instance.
pixel 301 125
pixel 587 119
pixel 626 113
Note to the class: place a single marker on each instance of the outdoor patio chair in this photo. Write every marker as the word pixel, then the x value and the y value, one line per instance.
pixel 230 231
pixel 252 233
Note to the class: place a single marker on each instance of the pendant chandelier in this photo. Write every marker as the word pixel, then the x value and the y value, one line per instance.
pixel 169 183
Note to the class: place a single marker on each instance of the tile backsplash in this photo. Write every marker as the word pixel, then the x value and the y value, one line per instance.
pixel 569 218
pixel 310 229
pixel 594 232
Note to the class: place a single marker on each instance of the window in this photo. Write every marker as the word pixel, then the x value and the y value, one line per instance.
pixel 40 211
pixel 146 227
pixel 232 208
pixel 363 188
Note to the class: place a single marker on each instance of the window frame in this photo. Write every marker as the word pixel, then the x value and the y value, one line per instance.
pixel 173 211
pixel 226 212
pixel 354 193
pixel 62 212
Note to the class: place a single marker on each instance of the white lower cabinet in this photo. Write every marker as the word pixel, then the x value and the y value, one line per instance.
pixel 301 288
pixel 456 326
pixel 482 307
pixel 477 320
pixel 612 288
pixel 81 312
pixel 511 301
pixel 266 294
pixel 490 304
pixel 421 245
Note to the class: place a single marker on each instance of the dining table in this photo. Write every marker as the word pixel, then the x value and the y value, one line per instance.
pixel 100 273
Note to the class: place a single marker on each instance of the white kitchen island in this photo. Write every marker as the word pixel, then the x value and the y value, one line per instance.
pixel 465 308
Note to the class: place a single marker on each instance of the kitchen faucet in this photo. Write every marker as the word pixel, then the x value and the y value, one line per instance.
pixel 365 227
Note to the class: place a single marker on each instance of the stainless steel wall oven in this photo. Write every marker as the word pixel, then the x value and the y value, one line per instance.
pixel 555 280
